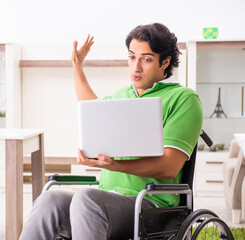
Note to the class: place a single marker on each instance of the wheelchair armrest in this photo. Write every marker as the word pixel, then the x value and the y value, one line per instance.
pixel 166 187
pixel 57 179
pixel 71 178
pixel 161 188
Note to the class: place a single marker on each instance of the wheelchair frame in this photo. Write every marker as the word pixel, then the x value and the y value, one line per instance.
pixel 152 189
pixel 180 232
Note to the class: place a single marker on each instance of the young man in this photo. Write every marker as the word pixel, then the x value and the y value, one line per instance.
pixel 108 212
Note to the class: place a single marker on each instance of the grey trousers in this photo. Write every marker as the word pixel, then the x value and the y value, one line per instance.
pixel 88 214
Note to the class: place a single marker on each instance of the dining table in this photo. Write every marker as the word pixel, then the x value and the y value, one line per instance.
pixel 19 143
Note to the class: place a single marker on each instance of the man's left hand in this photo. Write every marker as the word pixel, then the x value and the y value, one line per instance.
pixel 102 161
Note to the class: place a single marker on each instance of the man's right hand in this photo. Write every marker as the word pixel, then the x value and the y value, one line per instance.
pixel 83 89
pixel 79 55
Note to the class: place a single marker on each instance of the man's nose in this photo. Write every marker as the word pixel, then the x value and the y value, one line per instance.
pixel 137 66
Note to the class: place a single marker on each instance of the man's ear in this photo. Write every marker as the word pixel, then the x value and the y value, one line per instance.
pixel 166 62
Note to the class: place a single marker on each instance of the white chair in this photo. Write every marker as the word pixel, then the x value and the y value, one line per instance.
pixel 243 199
pixel 234 172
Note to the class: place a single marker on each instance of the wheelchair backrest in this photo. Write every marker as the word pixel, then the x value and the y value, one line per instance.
pixel 188 174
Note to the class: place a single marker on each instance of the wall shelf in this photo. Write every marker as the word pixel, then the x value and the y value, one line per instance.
pixel 220 44
pixel 68 63
pixel 223 118
pixel 221 83
pixel 87 63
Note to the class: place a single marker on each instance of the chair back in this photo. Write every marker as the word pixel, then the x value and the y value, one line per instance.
pixel 188 175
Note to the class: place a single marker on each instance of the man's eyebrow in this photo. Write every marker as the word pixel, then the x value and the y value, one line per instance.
pixel 148 54
pixel 143 54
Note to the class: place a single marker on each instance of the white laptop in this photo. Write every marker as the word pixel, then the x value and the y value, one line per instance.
pixel 121 127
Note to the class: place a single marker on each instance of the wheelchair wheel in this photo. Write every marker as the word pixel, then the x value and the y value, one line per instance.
pixel 200 223
pixel 215 224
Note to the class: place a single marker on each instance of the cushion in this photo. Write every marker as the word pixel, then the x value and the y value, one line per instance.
pixel 228 170
pixel 234 149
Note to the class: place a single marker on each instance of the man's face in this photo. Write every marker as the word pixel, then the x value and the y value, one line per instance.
pixel 144 66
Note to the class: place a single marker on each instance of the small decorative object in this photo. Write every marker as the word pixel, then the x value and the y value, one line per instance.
pixel 2 114
pixel 220 146
pixel 212 148
pixel 218 111
pixel 210 33
pixel 200 147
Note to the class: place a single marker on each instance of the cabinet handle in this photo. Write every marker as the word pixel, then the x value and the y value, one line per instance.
pixel 214 181
pixel 92 170
pixel 208 162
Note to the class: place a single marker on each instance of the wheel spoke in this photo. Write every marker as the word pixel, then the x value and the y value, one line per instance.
pixel 213 231
pixel 205 225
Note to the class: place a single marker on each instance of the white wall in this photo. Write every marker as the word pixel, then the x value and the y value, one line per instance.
pixel 62 21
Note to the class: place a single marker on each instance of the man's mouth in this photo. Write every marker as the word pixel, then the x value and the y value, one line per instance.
pixel 136 78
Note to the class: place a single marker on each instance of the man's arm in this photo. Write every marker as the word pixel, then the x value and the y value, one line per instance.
pixel 166 166
pixel 83 89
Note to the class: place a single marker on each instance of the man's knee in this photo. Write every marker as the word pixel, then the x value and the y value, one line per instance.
pixel 53 200
pixel 86 195
pixel 87 198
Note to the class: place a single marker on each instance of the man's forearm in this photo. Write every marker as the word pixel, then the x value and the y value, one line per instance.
pixel 150 167
pixel 83 89
pixel 166 166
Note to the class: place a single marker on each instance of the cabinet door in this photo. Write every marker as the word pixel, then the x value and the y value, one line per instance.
pixel 2 87
pixel 208 179
pixel 216 71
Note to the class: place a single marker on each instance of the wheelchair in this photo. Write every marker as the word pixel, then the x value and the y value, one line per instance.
pixel 167 223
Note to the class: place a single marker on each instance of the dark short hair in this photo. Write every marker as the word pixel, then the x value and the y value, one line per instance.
pixel 160 40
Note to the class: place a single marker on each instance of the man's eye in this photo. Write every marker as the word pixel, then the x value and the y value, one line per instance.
pixel 147 60
pixel 130 57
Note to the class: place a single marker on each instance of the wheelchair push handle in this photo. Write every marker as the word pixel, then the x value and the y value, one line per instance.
pixel 206 138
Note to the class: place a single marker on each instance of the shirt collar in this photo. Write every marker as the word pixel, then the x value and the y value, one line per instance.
pixel 171 80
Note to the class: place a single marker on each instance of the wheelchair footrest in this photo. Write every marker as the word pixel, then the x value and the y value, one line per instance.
pixel 160 222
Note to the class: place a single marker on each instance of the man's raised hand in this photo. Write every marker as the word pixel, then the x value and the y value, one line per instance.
pixel 78 55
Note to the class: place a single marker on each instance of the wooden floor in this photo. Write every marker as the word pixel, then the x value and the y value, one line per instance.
pixel 217 205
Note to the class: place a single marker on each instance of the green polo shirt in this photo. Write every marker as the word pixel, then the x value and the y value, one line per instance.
pixel 182 123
